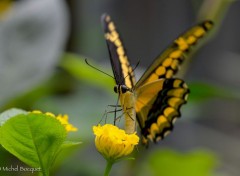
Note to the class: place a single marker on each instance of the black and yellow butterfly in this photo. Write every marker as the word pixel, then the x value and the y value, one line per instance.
pixel 155 100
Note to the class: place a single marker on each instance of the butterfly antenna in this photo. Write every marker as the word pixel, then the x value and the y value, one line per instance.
pixel 98 69
pixel 136 66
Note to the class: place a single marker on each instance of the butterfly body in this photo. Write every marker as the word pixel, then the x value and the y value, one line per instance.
pixel 127 101
pixel 155 100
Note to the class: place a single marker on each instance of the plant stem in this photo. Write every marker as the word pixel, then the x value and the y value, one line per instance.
pixel 108 168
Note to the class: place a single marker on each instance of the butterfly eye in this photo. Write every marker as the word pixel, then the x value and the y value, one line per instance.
pixel 124 89
pixel 115 89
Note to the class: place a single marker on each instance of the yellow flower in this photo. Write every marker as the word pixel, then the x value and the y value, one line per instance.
pixel 64 121
pixel 113 143
pixel 62 118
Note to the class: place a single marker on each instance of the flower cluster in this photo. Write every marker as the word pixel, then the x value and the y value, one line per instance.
pixel 113 143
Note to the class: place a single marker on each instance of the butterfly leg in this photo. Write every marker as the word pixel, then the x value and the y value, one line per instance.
pixel 107 111
pixel 120 116
pixel 125 112
pixel 129 115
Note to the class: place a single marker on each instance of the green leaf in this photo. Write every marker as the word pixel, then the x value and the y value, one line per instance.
pixel 33 138
pixel 171 163
pixel 4 116
pixel 76 66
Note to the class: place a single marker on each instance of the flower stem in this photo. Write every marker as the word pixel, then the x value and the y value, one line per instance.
pixel 108 168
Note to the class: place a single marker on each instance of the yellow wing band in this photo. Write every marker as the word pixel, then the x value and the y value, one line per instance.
pixel 167 64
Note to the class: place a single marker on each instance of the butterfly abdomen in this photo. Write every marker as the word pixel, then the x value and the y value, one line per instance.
pixel 127 102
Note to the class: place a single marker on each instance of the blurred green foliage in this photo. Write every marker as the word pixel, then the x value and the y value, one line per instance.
pixel 167 162
pixel 200 92
pixel 78 68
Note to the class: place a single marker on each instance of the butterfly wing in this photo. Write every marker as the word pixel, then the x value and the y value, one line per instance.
pixel 167 63
pixel 122 69
pixel 159 97
pixel 158 105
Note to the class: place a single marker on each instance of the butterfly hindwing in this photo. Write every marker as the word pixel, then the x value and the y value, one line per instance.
pixel 122 69
pixel 167 64
pixel 158 105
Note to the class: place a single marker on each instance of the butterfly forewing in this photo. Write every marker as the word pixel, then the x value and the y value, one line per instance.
pixel 167 64
pixel 122 69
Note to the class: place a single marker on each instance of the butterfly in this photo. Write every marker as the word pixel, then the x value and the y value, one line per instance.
pixel 155 100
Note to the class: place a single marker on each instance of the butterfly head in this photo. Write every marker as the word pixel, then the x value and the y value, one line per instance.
pixel 121 89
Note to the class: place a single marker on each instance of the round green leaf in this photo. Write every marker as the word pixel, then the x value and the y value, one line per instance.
pixel 33 138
